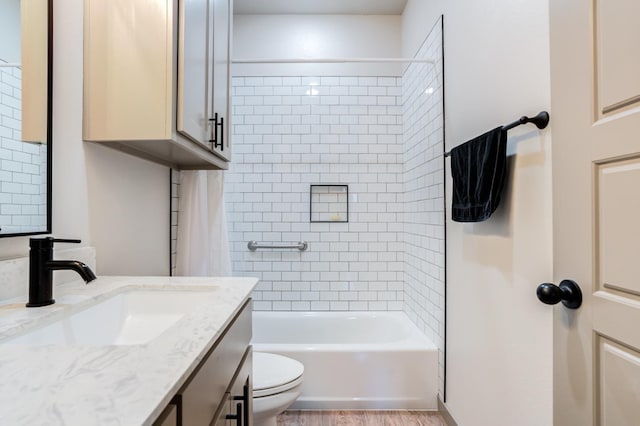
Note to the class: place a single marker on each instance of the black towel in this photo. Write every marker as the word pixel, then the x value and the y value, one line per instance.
pixel 478 168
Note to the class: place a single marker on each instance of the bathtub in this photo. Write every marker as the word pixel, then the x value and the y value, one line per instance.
pixel 354 360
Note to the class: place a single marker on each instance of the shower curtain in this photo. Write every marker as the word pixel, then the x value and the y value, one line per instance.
pixel 203 244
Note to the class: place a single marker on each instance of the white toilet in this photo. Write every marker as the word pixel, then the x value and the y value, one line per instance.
pixel 276 385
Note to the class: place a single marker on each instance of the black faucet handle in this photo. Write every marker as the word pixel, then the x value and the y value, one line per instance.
pixel 65 240
pixel 46 243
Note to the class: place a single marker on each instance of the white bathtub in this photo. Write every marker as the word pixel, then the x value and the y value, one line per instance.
pixel 354 360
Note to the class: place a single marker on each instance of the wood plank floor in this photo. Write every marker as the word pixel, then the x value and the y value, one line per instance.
pixel 360 418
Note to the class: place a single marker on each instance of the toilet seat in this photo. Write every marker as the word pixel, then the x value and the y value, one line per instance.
pixel 273 374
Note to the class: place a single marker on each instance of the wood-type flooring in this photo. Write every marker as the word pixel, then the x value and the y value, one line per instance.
pixel 360 418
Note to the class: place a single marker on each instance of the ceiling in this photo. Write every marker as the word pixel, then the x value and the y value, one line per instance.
pixel 325 7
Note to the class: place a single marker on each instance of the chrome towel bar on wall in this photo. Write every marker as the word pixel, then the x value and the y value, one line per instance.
pixel 254 245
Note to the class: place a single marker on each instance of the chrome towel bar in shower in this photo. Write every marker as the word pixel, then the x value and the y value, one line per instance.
pixel 254 245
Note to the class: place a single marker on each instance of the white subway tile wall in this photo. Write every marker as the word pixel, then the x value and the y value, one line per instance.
pixel 290 133
pixel 23 187
pixel 423 216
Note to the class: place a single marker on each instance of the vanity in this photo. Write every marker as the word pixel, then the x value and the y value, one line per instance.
pixel 184 357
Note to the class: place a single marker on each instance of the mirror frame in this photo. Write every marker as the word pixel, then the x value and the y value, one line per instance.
pixel 49 173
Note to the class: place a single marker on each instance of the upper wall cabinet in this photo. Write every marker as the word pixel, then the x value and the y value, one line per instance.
pixel 154 75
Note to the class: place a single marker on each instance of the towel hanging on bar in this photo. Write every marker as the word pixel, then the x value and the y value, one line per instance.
pixel 478 168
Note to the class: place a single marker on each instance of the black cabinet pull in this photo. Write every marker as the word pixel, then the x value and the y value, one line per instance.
pixel 217 142
pixel 245 400
pixel 214 131
pixel 221 145
pixel 238 416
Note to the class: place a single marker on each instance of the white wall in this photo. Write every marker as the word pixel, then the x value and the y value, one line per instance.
pixel 70 197
pixel 115 202
pixel 314 36
pixel 129 212
pixel 499 337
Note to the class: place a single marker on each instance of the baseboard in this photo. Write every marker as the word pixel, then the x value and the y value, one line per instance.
pixel 446 415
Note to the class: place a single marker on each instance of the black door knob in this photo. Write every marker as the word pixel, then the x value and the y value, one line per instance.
pixel 568 292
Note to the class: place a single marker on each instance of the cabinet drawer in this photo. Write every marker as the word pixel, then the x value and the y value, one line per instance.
pixel 206 388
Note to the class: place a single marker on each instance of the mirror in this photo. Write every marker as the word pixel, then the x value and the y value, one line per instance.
pixel 25 117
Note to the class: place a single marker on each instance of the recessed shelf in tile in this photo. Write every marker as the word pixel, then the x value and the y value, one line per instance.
pixel 329 203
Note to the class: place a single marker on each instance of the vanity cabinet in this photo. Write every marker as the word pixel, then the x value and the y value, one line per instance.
pixel 156 76
pixel 219 391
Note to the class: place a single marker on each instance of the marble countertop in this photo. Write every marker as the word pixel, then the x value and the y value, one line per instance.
pixel 108 385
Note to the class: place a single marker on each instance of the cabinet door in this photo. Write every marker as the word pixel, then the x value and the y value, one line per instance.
pixel 221 75
pixel 238 408
pixel 241 392
pixel 128 70
pixel 193 69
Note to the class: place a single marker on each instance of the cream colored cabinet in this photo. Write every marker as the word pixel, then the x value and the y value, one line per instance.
pixel 34 32
pixel 219 391
pixel 149 79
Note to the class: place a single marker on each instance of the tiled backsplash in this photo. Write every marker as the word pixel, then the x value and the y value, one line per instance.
pixel 289 133
pixel 23 190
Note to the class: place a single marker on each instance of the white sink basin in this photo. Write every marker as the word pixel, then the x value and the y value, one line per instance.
pixel 130 318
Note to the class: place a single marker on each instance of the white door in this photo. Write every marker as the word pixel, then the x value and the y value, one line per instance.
pixel 595 117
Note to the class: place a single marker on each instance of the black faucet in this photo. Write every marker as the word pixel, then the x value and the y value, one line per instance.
pixel 41 267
